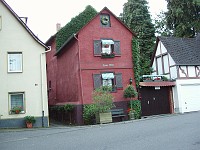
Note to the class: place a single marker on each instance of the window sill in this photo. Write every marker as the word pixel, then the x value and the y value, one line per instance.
pixel 13 113
pixel 14 71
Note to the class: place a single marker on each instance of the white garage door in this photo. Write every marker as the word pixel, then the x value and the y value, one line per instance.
pixel 190 97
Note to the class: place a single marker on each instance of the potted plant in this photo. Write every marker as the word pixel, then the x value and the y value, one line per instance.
pixel 130 92
pixel 16 109
pixel 103 102
pixel 29 120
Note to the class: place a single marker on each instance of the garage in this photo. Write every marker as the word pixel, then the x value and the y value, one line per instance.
pixel 190 97
pixel 156 98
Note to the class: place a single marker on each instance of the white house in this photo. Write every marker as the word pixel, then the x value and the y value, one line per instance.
pixel 179 60
pixel 22 72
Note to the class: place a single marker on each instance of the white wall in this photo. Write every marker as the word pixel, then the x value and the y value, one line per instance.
pixel 14 37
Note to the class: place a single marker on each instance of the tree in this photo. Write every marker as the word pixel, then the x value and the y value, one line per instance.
pixel 183 17
pixel 161 25
pixel 137 17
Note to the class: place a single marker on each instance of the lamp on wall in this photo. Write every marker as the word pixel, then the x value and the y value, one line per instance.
pixel 130 81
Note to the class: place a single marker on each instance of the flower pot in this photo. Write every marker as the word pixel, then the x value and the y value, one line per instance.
pixel 104 117
pixel 29 125
pixel 17 111
pixel 131 115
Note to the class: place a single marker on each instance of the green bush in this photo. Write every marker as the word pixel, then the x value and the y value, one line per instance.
pixel 130 92
pixel 89 111
pixel 103 99
pixel 136 106
pixel 68 107
pixel 30 119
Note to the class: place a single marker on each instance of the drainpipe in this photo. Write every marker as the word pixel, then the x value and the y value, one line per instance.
pixel 42 82
pixel 80 76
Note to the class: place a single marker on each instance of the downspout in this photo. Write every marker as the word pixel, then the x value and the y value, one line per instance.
pixel 42 82
pixel 80 76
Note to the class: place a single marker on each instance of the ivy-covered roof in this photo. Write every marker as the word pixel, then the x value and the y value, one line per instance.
pixel 74 26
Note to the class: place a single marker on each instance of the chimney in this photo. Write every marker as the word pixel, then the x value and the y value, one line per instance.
pixel 58 27
pixel 24 19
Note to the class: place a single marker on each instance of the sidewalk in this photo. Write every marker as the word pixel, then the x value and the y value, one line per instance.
pixel 59 125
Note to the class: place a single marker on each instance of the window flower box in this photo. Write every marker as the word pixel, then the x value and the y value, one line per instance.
pixel 16 110
pixel 106 55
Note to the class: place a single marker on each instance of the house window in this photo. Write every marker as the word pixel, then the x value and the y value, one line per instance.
pixel 105 20
pixel 107 47
pixel 108 79
pixel 16 100
pixel 15 62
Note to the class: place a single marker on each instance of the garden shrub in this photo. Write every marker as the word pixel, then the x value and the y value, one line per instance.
pixel 136 105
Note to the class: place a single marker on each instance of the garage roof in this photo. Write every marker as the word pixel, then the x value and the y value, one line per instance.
pixel 163 83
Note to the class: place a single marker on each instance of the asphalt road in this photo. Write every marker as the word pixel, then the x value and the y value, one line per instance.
pixel 174 132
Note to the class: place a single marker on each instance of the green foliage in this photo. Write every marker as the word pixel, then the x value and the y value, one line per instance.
pixel 136 106
pixel 103 99
pixel 183 17
pixel 68 107
pixel 137 17
pixel 130 92
pixel 161 25
pixel 136 60
pixel 89 111
pixel 74 26
pixel 16 109
pixel 30 119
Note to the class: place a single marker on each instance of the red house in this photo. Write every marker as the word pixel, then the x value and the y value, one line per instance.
pixel 99 54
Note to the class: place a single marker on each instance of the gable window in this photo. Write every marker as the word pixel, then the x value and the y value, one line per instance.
pixel 14 61
pixel 16 101
pixel 105 20
pixel 107 48
pixel 108 79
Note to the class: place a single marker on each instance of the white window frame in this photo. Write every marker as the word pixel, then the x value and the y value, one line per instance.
pixel 106 46
pixel 108 80
pixel 18 59
pixel 23 101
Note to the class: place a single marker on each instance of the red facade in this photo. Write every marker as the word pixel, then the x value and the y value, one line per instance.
pixel 77 68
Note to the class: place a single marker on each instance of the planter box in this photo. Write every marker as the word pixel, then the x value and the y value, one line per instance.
pixel 104 118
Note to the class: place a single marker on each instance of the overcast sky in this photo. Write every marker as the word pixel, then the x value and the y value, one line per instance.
pixel 44 14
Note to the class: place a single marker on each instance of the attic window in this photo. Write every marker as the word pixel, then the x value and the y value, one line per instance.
pixel 105 20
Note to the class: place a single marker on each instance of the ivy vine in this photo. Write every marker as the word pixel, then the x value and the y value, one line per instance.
pixel 74 25
pixel 136 60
